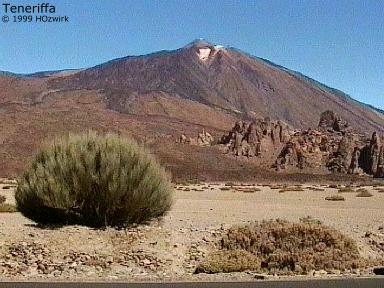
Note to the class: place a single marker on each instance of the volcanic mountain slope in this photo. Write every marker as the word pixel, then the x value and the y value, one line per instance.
pixel 156 97
pixel 221 78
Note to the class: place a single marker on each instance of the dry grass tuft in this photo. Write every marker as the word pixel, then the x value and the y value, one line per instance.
pixel 284 248
pixel 309 219
pixel 315 188
pixel 8 181
pixel 227 261
pixel 248 189
pixel 346 190
pixel 231 184
pixel 7 208
pixel 379 184
pixel 2 199
pixel 291 189
pixel 364 193
pixel 335 198
pixel 333 186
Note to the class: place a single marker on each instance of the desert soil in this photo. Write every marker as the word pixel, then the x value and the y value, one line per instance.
pixel 170 249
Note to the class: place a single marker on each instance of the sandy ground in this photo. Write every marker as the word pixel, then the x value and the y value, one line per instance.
pixel 171 248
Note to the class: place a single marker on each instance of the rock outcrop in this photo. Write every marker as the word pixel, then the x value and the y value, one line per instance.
pixel 371 158
pixel 340 161
pixel 334 146
pixel 203 139
pixel 251 139
pixel 308 148
pixel 332 122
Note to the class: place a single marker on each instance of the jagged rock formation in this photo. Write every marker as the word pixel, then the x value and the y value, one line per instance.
pixel 332 122
pixel 334 146
pixel 372 157
pixel 251 139
pixel 340 161
pixel 304 149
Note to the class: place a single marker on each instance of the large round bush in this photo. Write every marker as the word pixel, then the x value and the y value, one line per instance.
pixel 93 180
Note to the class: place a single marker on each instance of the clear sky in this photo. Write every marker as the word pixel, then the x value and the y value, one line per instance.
pixel 338 42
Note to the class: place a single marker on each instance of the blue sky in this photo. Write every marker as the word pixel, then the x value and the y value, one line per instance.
pixel 338 42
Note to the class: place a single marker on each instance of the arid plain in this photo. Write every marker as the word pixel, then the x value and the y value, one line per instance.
pixel 171 248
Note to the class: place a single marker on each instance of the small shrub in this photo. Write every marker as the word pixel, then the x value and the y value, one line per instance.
pixel 334 186
pixel 379 184
pixel 248 189
pixel 2 199
pixel 225 188
pixel 346 190
pixel 364 193
pixel 380 190
pixel 316 189
pixel 279 246
pixel 310 219
pixel 95 181
pixel 7 208
pixel 291 189
pixel 335 198
pixel 230 184
pixel 229 261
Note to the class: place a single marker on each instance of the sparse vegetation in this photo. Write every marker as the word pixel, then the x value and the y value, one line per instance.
pixel 310 219
pixel 226 261
pixel 93 180
pixel 282 247
pixel 364 193
pixel 335 198
pixel 230 184
pixel 346 190
pixel 8 181
pixel 291 189
pixel 248 189
pixel 7 208
pixel 316 189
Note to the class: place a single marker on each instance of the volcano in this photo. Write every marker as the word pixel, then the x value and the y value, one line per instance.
pixel 156 97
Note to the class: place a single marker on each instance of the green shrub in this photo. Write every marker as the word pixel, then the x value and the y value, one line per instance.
pixel 95 181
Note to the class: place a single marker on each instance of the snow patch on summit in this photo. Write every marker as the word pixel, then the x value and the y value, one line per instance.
pixel 204 53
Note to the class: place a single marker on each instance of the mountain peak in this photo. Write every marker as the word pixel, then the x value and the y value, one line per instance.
pixel 199 43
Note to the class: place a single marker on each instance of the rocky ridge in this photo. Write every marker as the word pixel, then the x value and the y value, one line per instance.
pixel 333 145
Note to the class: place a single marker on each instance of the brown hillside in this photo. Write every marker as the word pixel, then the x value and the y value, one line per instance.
pixel 156 98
